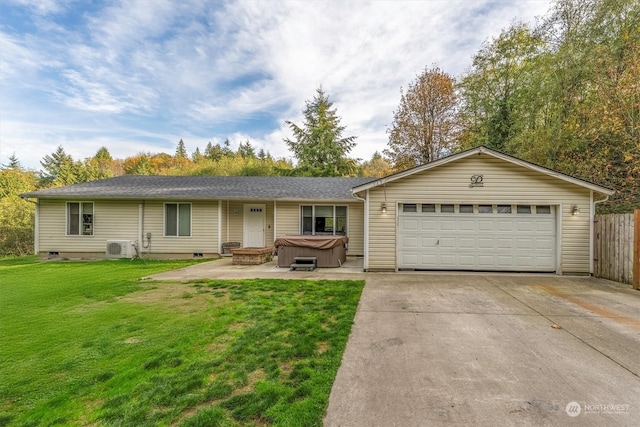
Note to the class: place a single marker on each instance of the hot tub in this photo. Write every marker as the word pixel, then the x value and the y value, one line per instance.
pixel 330 251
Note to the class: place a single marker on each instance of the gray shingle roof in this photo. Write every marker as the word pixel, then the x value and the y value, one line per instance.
pixel 207 187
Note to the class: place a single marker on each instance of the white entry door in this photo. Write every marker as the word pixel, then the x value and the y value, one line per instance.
pixel 253 229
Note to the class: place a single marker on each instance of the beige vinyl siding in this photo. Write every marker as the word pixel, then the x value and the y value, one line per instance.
pixel 113 220
pixel 288 218
pixel 204 229
pixel 288 221
pixel 356 228
pixel 504 182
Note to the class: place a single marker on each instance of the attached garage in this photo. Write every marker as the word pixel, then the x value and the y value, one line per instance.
pixel 480 210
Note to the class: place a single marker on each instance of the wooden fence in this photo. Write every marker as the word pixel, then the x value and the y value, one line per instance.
pixel 617 247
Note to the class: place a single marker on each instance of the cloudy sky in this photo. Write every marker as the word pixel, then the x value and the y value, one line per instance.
pixel 139 75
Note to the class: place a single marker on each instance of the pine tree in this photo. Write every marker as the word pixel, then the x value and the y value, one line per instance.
pixel 318 144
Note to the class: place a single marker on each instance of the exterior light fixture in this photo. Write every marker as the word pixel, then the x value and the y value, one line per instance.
pixel 575 210
pixel 384 208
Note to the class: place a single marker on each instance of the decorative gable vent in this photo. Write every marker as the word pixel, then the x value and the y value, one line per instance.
pixel 120 249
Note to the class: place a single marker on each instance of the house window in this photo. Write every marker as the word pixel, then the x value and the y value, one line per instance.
pixel 323 220
pixel 447 209
pixel 428 207
pixel 466 208
pixel 504 209
pixel 523 209
pixel 485 209
pixel 409 207
pixel 80 218
pixel 543 209
pixel 177 219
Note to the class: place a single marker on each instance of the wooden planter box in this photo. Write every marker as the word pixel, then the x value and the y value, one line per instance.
pixel 251 256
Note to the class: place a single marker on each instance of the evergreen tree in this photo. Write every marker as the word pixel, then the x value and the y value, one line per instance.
pixel 58 166
pixel 318 144
pixel 181 151
pixel 14 163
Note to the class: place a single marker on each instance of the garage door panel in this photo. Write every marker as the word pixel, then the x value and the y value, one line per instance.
pixel 526 244
pixel 503 243
pixel 409 224
pixel 448 260
pixel 507 226
pixel 486 225
pixel 467 225
pixel 428 242
pixel 544 243
pixel 472 241
pixel 467 243
pixel 409 242
pixel 546 227
pixel 525 225
pixel 448 225
pixel 486 243
pixel 428 225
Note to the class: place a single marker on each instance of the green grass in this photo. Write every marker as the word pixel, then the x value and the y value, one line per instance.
pixel 89 343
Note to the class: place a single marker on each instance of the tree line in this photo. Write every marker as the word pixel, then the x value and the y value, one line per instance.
pixel 563 93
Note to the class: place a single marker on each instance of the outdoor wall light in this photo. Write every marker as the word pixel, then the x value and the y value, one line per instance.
pixel 384 208
pixel 575 210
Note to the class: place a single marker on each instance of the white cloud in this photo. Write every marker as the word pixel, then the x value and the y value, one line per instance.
pixel 204 70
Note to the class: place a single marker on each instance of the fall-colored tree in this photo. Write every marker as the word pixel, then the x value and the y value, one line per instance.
pixel 16 215
pixel 425 125
pixel 318 144
pixel 377 167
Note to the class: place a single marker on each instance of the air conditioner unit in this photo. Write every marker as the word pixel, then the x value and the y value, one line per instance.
pixel 120 249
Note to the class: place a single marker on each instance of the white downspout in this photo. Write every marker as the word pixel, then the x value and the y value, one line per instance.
pixel 365 263
pixel 219 227
pixel 36 230
pixel 140 239
pixel 275 220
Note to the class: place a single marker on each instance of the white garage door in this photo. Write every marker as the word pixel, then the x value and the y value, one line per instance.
pixel 477 237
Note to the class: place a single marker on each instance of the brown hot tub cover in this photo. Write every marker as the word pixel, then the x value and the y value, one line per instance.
pixel 330 251
pixel 317 242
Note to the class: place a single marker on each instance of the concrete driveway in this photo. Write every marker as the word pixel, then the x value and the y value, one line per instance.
pixel 490 349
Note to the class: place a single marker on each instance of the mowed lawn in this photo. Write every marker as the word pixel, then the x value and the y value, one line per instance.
pixel 88 343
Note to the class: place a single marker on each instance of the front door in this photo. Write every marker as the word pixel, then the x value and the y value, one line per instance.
pixel 253 229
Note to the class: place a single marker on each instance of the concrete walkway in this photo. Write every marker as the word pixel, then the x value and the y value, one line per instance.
pixel 478 349
pixel 223 269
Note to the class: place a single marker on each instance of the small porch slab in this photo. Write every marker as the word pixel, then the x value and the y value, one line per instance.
pixel 251 256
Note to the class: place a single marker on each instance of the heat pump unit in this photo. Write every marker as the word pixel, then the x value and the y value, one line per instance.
pixel 120 249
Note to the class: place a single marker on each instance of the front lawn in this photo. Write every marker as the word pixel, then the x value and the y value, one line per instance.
pixel 89 343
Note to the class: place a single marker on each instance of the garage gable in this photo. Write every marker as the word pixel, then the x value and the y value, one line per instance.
pixel 479 210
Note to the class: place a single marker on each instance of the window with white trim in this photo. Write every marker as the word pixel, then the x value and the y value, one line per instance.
pixel 323 220
pixel 177 219
pixel 80 218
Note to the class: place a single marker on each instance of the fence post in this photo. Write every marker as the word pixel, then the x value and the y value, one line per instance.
pixel 636 249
